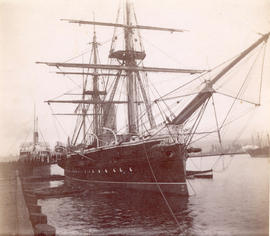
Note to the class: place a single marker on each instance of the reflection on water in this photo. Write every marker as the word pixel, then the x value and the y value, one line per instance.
pixel 235 202
pixel 118 212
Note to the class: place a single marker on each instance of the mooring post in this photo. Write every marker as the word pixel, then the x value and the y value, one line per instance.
pixel 38 218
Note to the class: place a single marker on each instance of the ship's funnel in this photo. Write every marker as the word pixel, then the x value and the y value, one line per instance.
pixel 35 138
pixel 35 135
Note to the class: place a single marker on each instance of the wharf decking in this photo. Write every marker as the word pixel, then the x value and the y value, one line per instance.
pixel 19 213
pixel 14 215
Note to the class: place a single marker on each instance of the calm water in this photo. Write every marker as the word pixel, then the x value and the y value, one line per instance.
pixel 234 202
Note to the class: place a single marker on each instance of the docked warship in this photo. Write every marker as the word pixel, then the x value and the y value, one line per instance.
pixel 150 151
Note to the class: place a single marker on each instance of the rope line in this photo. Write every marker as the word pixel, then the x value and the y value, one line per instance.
pixel 260 92
pixel 160 190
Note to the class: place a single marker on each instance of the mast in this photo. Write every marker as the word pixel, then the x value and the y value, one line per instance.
pixel 84 110
pixel 130 75
pixel 35 134
pixel 208 90
pixel 95 88
pixel 129 67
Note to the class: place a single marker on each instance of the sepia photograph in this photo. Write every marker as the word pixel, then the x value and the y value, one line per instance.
pixel 134 117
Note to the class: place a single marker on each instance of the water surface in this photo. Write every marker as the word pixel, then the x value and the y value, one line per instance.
pixel 234 202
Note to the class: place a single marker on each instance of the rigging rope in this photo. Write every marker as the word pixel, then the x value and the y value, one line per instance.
pixel 209 133
pixel 162 51
pixel 160 190
pixel 42 136
pixel 239 91
pixel 160 98
pixel 197 122
pixel 57 120
pixel 262 73
pixel 198 77
pixel 218 130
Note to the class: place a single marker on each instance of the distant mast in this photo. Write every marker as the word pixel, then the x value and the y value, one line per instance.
pixel 35 134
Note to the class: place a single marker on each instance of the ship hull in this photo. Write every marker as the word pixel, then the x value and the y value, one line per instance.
pixel 259 152
pixel 144 166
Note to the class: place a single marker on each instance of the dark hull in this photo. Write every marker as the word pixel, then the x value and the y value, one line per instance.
pixel 259 152
pixel 34 165
pixel 34 169
pixel 149 166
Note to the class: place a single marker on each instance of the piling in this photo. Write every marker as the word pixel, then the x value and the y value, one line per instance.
pixel 38 218
pixel 44 230
pixel 36 221
pixel 30 199
pixel 34 208
pixel 24 226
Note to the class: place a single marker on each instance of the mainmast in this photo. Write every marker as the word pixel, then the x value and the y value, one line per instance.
pixel 130 74
pixel 129 68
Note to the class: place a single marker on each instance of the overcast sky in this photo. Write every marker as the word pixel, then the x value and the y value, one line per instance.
pixel 30 31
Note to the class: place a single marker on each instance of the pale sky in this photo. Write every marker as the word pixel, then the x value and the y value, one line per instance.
pixel 31 30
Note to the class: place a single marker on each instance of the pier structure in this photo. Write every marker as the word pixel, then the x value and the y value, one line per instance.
pixel 19 212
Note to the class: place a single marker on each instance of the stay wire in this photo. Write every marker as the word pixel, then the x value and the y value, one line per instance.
pixel 58 121
pixel 161 98
pixel 239 91
pixel 209 133
pixel 197 122
pixel 224 167
pixel 193 189
pixel 42 136
pixel 251 115
pixel 198 77
pixel 160 190
pixel 260 92
pixel 216 119
pixel 56 128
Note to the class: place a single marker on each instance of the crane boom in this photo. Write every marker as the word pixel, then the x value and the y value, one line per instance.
pixel 207 91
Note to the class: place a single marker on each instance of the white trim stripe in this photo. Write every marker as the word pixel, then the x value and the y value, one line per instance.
pixel 114 182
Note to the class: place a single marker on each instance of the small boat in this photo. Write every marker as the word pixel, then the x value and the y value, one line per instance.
pixel 259 150
pixel 203 174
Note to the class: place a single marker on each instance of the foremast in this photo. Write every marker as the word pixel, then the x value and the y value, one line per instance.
pixel 96 97
pixel 129 68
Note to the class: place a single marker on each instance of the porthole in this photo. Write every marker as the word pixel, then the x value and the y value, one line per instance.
pixel 114 170
pixel 106 171
pixel 120 169
pixel 130 169
pixel 93 171
pixel 99 171
pixel 170 154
